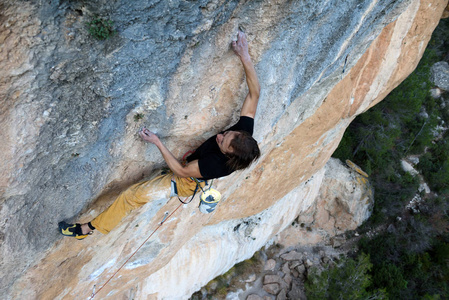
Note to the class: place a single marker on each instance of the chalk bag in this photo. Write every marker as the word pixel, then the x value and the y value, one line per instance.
pixel 209 200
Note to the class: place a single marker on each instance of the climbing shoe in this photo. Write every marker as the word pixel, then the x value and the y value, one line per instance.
pixel 72 230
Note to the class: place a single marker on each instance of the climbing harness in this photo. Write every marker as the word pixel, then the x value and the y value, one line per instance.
pixel 208 199
pixel 174 189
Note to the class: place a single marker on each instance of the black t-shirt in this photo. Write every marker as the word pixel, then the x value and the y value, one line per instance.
pixel 211 161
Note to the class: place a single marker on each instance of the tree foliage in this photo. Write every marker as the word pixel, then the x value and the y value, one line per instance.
pixel 410 253
pixel 347 280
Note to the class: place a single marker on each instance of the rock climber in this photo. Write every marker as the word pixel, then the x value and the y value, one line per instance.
pixel 231 150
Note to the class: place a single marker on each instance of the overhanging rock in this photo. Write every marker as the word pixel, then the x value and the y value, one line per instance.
pixel 71 106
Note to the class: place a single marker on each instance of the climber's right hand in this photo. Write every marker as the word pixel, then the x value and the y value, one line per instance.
pixel 148 136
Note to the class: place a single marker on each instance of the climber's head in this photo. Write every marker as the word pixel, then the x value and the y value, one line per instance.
pixel 240 147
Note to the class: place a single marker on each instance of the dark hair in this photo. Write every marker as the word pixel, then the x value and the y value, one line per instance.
pixel 244 151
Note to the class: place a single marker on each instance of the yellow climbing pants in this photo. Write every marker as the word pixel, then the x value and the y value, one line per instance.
pixel 139 194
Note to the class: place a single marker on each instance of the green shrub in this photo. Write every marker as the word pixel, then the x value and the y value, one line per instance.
pixel 435 166
pixel 100 28
pixel 348 280
pixel 389 276
pixel 346 147
pixel 410 259
pixel 138 117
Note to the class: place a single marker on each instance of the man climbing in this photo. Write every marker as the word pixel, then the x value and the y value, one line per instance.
pixel 222 154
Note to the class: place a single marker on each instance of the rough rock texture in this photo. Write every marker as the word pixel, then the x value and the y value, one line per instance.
pixel 440 75
pixel 68 113
pixel 344 202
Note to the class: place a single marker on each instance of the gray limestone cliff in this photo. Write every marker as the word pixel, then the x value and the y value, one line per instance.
pixel 71 106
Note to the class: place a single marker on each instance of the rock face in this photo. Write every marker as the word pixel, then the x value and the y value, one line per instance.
pixel 71 106
pixel 440 75
pixel 344 202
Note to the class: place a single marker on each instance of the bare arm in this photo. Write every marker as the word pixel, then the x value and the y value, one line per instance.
pixel 190 170
pixel 241 49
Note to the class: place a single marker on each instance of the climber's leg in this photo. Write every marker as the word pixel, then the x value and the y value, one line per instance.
pixel 138 195
pixel 133 197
